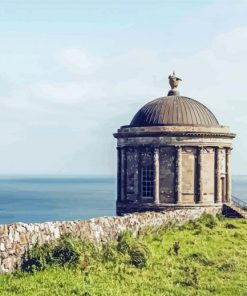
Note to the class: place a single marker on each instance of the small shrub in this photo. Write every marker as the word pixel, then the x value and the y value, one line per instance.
pixel 220 217
pixel 227 267
pixel 201 258
pixel 198 231
pixel 208 220
pixel 64 254
pixel 137 251
pixel 124 241
pixel 176 247
pixel 14 290
pixel 109 253
pixel 230 226
pixel 191 225
pixel 68 251
pixel 191 276
pixel 32 265
pixel 239 235
pixel 71 251
pixel 138 257
pixel 37 258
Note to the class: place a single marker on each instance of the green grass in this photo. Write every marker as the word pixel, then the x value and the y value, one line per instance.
pixel 204 257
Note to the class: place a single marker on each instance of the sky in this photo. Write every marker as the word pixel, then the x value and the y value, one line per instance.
pixel 72 72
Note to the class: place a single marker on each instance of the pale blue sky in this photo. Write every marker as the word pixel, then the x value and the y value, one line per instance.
pixel 72 72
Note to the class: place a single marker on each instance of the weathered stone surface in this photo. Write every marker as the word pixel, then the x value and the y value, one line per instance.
pixel 198 174
pixel 98 230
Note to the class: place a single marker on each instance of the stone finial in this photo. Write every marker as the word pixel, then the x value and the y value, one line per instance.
pixel 174 82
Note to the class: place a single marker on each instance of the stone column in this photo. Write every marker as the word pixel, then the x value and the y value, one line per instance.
pixel 119 174
pixel 228 175
pixel 218 198
pixel 156 176
pixel 178 182
pixel 123 174
pixel 139 174
pixel 199 175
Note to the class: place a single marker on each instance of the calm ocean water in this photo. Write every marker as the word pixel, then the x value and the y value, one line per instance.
pixel 40 199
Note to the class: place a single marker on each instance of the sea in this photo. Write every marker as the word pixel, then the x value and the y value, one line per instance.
pixel 33 199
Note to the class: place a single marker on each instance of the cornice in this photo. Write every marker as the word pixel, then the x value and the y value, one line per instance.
pixel 120 135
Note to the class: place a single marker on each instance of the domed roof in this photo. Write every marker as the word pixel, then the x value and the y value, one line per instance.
pixel 174 110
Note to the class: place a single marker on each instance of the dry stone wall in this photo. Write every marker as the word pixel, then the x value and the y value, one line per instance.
pixel 16 239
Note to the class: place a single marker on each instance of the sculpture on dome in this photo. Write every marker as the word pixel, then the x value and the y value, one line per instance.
pixel 174 82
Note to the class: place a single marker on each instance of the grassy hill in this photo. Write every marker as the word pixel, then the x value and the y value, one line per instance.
pixel 204 257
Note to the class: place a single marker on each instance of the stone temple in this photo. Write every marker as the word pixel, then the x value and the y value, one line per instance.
pixel 173 154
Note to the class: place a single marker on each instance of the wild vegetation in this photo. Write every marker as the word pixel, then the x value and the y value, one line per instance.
pixel 203 257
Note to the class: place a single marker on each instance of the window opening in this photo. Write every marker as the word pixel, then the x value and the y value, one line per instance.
pixel 148 182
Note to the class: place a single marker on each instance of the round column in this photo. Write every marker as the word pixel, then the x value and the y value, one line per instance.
pixel 139 175
pixel 156 176
pixel 218 198
pixel 199 175
pixel 228 175
pixel 118 174
pixel 123 174
pixel 179 174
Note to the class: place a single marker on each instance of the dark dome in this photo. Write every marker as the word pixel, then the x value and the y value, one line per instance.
pixel 174 110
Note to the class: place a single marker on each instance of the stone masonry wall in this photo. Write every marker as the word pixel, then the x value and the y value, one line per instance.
pixel 16 239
